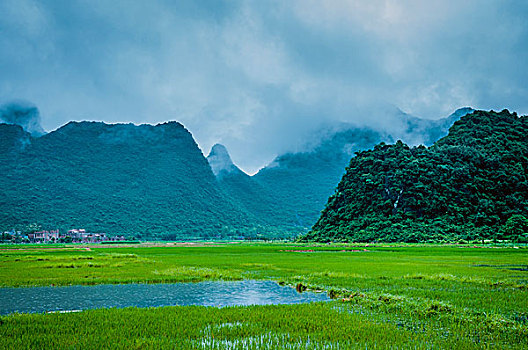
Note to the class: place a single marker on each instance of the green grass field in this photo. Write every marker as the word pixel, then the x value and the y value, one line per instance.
pixel 406 296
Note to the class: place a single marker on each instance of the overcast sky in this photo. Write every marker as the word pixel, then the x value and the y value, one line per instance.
pixel 258 76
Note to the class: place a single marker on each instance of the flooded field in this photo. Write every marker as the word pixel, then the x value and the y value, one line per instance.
pixel 209 293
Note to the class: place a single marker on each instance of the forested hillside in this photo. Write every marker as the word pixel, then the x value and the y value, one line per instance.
pixel 471 184
pixel 301 182
pixel 144 181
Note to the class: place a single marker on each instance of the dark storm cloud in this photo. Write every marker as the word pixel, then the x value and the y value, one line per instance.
pixel 259 76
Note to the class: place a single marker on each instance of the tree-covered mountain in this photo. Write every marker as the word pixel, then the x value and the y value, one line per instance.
pixel 471 184
pixel 302 182
pixel 147 181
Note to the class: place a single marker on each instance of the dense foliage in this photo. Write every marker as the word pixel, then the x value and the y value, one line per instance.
pixel 466 186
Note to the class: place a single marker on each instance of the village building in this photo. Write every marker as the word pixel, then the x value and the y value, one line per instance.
pixel 44 236
pixel 80 235
pixel 55 236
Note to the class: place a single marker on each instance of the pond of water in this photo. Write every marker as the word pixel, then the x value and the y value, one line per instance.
pixel 46 299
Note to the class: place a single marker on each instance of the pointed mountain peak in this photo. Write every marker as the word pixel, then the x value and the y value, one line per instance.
pixel 220 161
pixel 219 150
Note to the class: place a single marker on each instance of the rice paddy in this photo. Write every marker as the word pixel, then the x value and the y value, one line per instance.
pixel 400 296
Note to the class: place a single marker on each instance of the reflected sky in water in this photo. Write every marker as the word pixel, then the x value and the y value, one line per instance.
pixel 216 293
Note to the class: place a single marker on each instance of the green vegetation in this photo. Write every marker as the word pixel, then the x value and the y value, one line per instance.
pixel 404 296
pixel 312 326
pixel 470 185
pixel 142 181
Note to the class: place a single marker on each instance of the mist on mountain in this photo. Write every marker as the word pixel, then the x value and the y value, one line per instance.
pixel 22 113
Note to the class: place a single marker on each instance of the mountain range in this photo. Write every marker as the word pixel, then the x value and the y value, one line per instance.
pixel 154 182
pixel 291 191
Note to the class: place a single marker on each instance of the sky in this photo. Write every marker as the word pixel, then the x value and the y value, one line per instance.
pixel 259 76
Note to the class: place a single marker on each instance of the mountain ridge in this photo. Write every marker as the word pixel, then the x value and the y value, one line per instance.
pixel 303 181
pixel 221 162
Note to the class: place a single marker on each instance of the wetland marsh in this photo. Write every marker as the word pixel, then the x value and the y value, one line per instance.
pixel 399 296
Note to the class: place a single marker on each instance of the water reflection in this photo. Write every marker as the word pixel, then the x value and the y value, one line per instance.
pixel 44 299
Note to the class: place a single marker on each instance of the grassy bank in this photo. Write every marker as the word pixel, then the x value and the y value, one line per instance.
pixel 406 296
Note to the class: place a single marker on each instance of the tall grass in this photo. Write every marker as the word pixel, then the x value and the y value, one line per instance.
pixel 309 326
